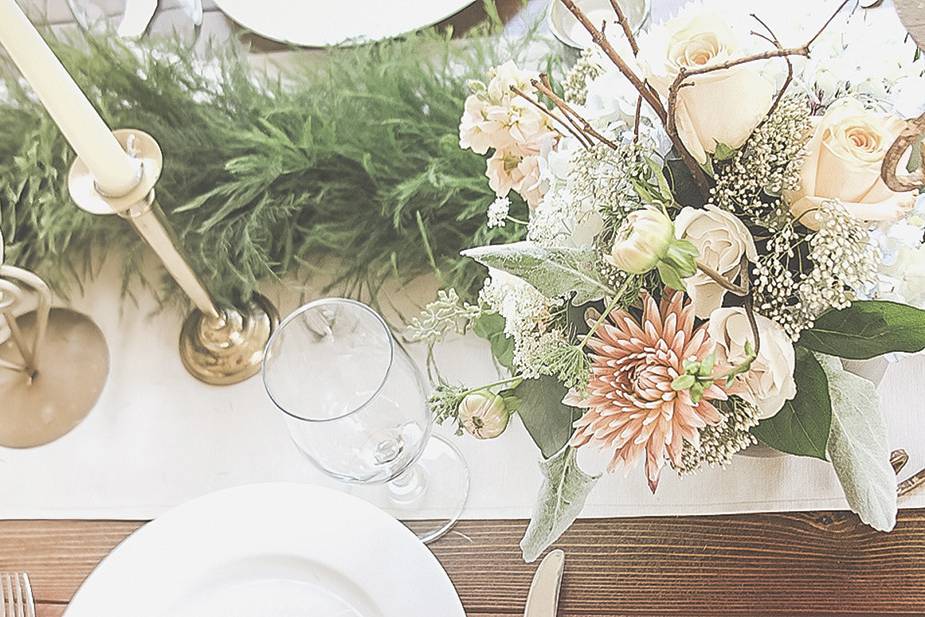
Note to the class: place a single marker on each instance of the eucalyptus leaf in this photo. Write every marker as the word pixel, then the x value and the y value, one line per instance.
pixel 859 447
pixel 562 497
pixel 555 272
pixel 866 329
pixel 802 425
pixel 545 417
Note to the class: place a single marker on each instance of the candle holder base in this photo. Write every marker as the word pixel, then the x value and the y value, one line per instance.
pixel 228 350
pixel 38 408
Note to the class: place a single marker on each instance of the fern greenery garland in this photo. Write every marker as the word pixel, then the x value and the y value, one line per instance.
pixel 353 160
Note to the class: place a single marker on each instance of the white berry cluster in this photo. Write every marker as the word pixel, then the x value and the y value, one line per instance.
pixel 767 165
pixel 803 275
pixel 718 444
pixel 844 260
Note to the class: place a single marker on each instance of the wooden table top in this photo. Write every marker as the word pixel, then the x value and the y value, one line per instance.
pixel 816 564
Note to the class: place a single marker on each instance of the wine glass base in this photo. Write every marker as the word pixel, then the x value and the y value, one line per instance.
pixel 72 370
pixel 430 496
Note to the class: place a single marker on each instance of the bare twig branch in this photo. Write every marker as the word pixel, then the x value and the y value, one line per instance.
pixel 625 24
pixel 722 281
pixel 827 23
pixel 783 90
pixel 601 41
pixel 542 84
pixel 752 321
pixel 568 127
pixel 685 73
pixel 902 183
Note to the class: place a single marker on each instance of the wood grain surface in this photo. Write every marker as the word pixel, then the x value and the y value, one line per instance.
pixel 774 564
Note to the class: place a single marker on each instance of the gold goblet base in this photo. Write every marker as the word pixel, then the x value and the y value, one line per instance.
pixel 228 350
pixel 72 370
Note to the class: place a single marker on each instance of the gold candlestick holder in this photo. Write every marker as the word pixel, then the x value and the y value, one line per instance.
pixel 218 345
pixel 53 365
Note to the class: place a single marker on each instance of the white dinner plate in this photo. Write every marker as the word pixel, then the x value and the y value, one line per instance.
pixel 319 23
pixel 270 550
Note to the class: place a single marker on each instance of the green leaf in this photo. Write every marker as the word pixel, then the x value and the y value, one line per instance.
pixel 866 329
pixel 802 425
pixel 659 174
pixel 859 447
pixel 556 272
pixel 561 499
pixel 723 152
pixel 669 276
pixel 545 417
pixel 490 326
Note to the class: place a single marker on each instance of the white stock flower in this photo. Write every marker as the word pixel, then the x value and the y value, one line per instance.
pixel 722 241
pixel 769 382
pixel 719 107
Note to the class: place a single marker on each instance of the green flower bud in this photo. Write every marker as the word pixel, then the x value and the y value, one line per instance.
pixel 484 415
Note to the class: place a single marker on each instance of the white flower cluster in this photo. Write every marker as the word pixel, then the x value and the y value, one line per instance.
pixel 496 118
pixel 901 277
pixel 867 53
pixel 498 212
pixel 527 317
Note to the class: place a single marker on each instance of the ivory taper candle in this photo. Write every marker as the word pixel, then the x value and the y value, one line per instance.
pixel 114 171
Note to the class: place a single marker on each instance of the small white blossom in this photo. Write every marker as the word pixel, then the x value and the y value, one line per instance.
pixel 498 212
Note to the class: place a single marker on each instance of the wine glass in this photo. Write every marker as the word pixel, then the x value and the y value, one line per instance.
pixel 356 405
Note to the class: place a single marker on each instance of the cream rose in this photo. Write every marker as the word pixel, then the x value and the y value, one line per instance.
pixel 843 163
pixel 722 240
pixel 769 382
pixel 719 107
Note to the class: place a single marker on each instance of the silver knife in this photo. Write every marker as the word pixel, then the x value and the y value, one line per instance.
pixel 543 599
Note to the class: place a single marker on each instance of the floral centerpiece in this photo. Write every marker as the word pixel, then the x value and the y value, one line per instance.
pixel 712 220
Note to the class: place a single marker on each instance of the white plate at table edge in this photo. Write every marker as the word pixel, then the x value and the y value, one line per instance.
pixel 275 20
pixel 149 570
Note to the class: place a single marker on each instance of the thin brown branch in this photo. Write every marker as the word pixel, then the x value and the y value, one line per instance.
pixel 625 24
pixel 889 171
pixel 827 23
pixel 542 84
pixel 772 38
pixel 753 322
pixel 671 128
pixel 722 281
pixel 637 118
pixel 568 127
pixel 601 41
pixel 685 73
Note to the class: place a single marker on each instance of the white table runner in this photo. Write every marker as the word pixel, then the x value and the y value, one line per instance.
pixel 158 438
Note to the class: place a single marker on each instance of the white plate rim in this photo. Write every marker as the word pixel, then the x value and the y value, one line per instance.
pixel 439 10
pixel 133 547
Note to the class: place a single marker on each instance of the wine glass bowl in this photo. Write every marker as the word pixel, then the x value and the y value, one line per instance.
pixel 355 404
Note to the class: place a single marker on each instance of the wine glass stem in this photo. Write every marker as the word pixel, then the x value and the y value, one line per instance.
pixel 409 486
